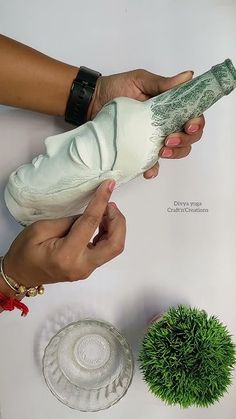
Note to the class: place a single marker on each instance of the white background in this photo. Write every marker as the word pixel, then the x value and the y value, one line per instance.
pixel 169 258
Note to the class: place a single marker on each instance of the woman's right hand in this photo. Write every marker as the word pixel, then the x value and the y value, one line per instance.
pixel 50 251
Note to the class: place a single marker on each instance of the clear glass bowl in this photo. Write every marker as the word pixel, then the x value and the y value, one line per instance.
pixel 88 365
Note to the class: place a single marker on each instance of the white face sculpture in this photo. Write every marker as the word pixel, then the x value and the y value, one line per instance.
pixel 122 142
pixel 116 144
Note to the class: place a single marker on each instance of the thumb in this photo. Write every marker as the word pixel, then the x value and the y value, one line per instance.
pixel 167 83
pixel 154 85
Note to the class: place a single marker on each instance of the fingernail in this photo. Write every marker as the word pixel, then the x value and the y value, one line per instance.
pixel 193 128
pixel 167 152
pixel 112 210
pixel 111 186
pixel 187 71
pixel 173 141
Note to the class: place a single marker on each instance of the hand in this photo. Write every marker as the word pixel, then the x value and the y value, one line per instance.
pixel 60 250
pixel 142 85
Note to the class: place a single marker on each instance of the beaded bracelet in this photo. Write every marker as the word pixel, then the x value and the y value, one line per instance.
pixel 20 290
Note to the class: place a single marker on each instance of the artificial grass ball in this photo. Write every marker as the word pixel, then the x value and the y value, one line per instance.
pixel 187 357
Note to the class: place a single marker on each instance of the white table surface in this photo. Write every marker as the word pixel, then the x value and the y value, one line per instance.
pixel 169 258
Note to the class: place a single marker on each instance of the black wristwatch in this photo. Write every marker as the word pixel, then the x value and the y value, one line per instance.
pixel 81 93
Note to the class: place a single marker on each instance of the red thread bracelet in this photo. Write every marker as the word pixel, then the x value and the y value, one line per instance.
pixel 9 304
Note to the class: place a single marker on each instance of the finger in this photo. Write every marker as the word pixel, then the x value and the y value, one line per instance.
pixel 43 230
pixel 103 228
pixel 152 84
pixel 84 228
pixel 194 125
pixel 152 173
pixel 112 243
pixel 180 139
pixel 175 153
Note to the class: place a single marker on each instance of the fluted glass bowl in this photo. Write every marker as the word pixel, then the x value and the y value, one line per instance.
pixel 88 365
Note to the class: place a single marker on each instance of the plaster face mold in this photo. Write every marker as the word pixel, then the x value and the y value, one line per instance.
pixel 122 142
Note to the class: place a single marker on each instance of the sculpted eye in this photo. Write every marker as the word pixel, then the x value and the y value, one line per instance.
pixel 85 150
pixel 75 154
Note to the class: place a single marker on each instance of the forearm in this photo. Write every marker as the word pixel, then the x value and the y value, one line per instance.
pixel 32 80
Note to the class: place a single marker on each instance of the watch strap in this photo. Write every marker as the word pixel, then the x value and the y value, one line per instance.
pixel 81 93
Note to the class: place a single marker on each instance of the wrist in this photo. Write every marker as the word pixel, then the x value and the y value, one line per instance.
pixel 95 104
pixel 65 76
pixel 5 289
pixel 19 287
pixel 9 301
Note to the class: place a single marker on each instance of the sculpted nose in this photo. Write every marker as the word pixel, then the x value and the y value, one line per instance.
pixel 37 160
